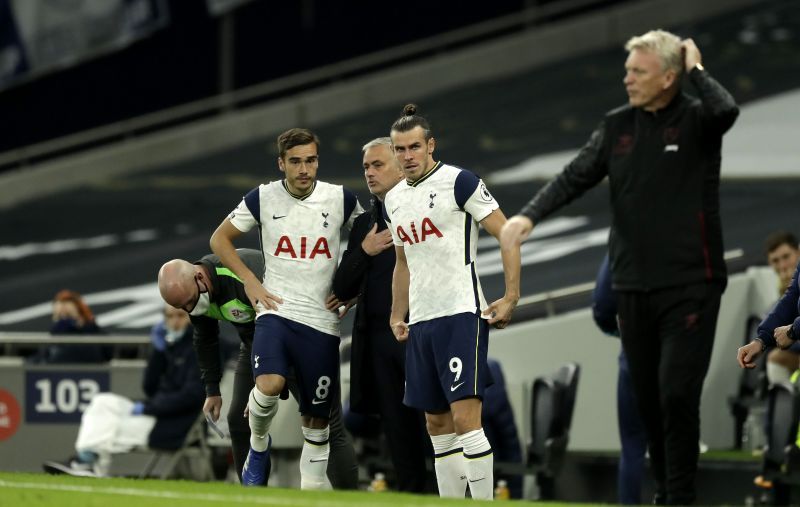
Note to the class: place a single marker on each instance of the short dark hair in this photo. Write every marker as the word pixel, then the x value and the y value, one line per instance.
pixel 778 238
pixel 295 137
pixel 410 119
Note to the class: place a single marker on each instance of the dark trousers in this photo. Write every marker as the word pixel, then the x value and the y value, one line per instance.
pixel 342 466
pixel 667 336
pixel 633 438
pixel 403 427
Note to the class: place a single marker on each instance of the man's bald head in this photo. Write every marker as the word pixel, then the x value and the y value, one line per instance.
pixel 177 283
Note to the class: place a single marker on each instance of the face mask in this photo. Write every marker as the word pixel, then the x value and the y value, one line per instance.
pixel 172 336
pixel 200 309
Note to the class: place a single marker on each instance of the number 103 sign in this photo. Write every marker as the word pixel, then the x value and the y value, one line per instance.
pixel 61 396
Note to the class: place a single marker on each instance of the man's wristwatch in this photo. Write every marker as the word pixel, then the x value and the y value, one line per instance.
pixel 763 344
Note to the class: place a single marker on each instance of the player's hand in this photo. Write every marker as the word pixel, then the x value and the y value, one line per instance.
pixel 782 337
pixel 212 407
pixel 691 54
pixel 346 308
pixel 258 294
pixel 400 330
pixel 515 231
pixel 334 305
pixel 500 312
pixel 376 242
pixel 747 354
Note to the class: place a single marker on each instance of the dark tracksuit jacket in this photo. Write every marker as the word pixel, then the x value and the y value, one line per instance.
pixel 228 302
pixel 785 312
pixel 663 170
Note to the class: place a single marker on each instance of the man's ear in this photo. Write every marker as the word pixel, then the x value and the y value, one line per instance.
pixel 670 77
pixel 280 165
pixel 431 145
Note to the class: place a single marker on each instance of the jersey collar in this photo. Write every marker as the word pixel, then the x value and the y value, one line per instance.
pixel 299 197
pixel 428 175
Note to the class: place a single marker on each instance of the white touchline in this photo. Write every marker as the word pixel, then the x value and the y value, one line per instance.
pixel 209 497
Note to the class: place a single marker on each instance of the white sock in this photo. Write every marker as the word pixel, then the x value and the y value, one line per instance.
pixel 262 409
pixel 314 458
pixel 449 464
pixel 777 373
pixel 479 464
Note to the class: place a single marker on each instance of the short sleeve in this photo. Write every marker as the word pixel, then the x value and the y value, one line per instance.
pixel 248 213
pixel 472 196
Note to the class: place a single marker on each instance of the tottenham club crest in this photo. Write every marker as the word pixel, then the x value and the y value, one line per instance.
pixel 485 195
pixel 325 219
pixel 430 205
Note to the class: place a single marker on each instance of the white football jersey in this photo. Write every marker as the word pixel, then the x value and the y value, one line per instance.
pixel 299 238
pixel 435 220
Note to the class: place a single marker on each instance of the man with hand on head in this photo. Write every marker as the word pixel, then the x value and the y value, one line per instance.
pixel 661 153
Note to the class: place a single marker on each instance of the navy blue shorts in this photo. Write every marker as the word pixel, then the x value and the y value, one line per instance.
pixel 280 344
pixel 446 361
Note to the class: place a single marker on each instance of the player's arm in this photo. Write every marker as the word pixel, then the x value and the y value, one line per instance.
pixel 401 278
pixel 222 245
pixel 206 345
pixel 500 311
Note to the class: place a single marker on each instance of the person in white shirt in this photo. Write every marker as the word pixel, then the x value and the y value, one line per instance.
pixel 433 217
pixel 299 221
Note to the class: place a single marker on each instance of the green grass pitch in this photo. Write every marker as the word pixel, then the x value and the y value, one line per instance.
pixel 33 490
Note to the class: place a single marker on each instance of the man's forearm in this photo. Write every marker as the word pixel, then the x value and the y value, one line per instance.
pixel 222 245
pixel 511 271
pixel 400 282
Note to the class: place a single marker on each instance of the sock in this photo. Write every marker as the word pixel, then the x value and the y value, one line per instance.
pixel 479 464
pixel 262 409
pixel 449 464
pixel 777 373
pixel 314 458
pixel 87 457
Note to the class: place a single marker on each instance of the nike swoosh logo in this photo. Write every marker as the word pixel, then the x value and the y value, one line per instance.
pixel 397 208
pixel 275 217
pixel 317 402
pixel 453 388
pixel 317 460
pixel 476 480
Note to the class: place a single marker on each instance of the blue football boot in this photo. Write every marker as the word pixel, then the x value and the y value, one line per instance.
pixel 257 466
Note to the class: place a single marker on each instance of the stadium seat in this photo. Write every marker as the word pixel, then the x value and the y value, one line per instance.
pixel 194 450
pixel 552 405
pixel 751 394
pixel 781 461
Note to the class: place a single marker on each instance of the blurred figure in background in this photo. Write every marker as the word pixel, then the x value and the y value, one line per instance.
pixel 783 255
pixel 72 316
pixel 632 435
pixel 497 416
pixel 115 424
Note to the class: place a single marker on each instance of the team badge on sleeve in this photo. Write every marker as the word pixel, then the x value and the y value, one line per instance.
pixel 485 195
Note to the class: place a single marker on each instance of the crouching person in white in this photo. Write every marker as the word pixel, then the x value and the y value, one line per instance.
pixel 113 424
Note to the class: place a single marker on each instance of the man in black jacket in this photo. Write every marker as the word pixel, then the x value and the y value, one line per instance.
pixel 377 368
pixel 210 293
pixel 661 153
pixel 113 423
